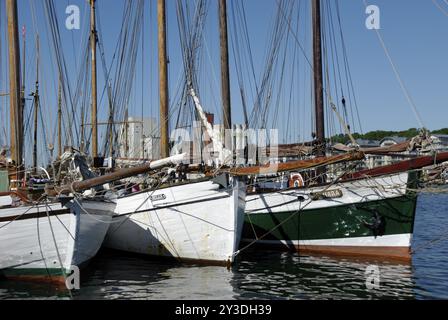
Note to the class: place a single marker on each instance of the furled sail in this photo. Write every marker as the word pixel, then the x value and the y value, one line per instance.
pixel 297 165
pixel 397 148
pixel 402 166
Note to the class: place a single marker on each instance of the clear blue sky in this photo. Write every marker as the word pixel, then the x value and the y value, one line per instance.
pixel 416 33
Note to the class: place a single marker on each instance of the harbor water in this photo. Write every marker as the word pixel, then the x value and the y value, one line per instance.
pixel 269 275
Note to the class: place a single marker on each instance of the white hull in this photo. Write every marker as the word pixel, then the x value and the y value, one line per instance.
pixel 5 201
pixel 36 245
pixel 196 221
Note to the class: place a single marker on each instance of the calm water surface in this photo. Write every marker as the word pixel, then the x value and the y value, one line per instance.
pixel 271 275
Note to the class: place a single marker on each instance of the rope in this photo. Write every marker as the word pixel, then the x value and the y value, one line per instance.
pixel 57 249
pixel 91 215
pixel 397 74
pixel 40 245
pixel 440 8
pixel 20 216
pixel 430 243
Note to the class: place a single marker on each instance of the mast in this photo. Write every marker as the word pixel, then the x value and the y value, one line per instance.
pixel 83 142
pixel 111 124
pixel 16 122
pixel 225 78
pixel 126 133
pixel 22 93
pixel 318 77
pixel 60 118
pixel 36 106
pixel 163 78
pixel 94 80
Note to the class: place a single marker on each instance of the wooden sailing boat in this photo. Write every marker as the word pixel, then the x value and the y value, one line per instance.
pixel 42 240
pixel 197 220
pixel 369 213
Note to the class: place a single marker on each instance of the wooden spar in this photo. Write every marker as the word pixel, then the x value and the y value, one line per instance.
pixel 94 119
pixel 16 121
pixel 81 186
pixel 36 106
pixel 318 76
pixel 225 73
pixel 296 165
pixel 396 148
pixel 402 166
pixel 22 91
pixel 163 78
pixel 60 118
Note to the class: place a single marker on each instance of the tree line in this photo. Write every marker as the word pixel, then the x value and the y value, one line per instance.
pixel 381 134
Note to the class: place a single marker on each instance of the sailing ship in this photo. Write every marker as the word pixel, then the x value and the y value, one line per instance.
pixel 185 218
pixel 369 213
pixel 42 239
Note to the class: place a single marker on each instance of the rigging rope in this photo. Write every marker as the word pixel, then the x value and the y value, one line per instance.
pixel 400 80
pixel 440 7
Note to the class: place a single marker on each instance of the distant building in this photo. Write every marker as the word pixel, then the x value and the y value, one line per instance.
pixel 373 161
pixel 390 141
pixel 440 142
pixel 363 143
pixel 139 139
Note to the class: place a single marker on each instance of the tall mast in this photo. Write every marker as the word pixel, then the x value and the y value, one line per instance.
pixel 126 133
pixel 83 142
pixel 225 78
pixel 111 123
pixel 163 78
pixel 318 76
pixel 60 118
pixel 16 123
pixel 36 106
pixel 94 80
pixel 22 93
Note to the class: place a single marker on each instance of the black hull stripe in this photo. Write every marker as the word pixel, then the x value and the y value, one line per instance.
pixel 29 216
pixel 170 206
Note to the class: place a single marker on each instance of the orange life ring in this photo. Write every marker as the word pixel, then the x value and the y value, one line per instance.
pixel 296 181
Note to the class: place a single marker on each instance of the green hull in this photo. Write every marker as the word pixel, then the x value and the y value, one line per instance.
pixel 346 221
pixel 369 228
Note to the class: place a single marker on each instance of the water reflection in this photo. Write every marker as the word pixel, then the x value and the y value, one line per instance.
pixel 296 277
pixel 137 278
pixel 255 276
pixel 13 290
